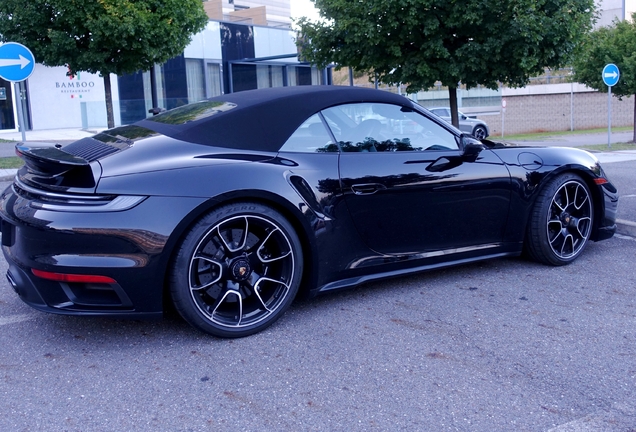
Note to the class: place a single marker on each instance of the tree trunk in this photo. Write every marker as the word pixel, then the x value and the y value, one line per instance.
pixel 452 95
pixel 109 101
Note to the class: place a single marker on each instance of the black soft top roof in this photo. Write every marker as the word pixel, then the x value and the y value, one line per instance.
pixel 263 119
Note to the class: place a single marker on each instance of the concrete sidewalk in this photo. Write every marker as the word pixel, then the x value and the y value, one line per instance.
pixel 50 135
pixel 58 136
pixel 626 227
pixel 577 139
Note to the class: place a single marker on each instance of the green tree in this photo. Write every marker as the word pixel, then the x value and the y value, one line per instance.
pixel 614 44
pixel 419 42
pixel 102 36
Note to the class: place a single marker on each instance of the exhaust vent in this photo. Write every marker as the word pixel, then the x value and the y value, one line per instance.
pixel 91 149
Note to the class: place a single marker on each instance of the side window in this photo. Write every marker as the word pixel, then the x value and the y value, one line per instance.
pixel 377 127
pixel 310 137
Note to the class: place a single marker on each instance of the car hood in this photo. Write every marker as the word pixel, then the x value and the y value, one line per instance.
pixel 500 144
pixel 526 156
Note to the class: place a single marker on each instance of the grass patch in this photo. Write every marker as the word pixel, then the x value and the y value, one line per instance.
pixel 11 162
pixel 6 141
pixel 539 135
pixel 605 148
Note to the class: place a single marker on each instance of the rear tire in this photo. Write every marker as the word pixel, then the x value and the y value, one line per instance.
pixel 561 221
pixel 237 270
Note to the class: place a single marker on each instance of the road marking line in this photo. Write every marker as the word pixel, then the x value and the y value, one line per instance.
pixel 16 319
pixel 616 418
pixel 588 423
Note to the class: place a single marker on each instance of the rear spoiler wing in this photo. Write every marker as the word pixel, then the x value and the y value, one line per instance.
pixel 49 166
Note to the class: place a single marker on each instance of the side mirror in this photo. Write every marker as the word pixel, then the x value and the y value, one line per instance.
pixel 463 117
pixel 156 110
pixel 471 148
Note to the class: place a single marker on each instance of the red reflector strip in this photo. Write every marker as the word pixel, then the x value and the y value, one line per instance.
pixel 600 181
pixel 63 277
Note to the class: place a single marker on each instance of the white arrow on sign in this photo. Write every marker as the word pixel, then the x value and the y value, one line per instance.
pixel 612 75
pixel 23 62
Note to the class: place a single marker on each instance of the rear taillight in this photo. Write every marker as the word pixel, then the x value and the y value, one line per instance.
pixel 72 278
pixel 600 181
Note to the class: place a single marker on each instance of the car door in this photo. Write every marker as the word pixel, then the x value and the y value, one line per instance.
pixel 408 186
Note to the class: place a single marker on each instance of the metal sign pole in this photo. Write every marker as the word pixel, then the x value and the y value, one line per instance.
pixel 571 106
pixel 503 117
pixel 19 106
pixel 609 117
pixel 610 75
pixel 16 65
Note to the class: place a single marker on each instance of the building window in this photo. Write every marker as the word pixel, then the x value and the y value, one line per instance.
pixel 6 105
pixel 195 78
pixel 269 76
pixel 303 75
pixel 213 80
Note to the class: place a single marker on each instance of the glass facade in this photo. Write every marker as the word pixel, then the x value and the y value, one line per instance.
pixel 221 59
pixel 304 75
pixel 7 120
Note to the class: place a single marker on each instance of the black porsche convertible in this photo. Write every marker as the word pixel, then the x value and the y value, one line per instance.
pixel 230 207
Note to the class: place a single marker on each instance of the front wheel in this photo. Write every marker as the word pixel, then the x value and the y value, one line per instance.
pixel 237 270
pixel 561 221
pixel 480 132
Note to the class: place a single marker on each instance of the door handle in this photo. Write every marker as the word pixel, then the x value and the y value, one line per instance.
pixel 367 188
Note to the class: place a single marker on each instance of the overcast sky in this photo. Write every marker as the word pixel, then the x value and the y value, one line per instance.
pixel 301 8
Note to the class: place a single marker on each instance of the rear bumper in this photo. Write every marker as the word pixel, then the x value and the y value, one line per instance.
pixel 73 299
pixel 126 253
pixel 607 226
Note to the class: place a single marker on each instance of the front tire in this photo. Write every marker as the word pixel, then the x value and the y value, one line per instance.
pixel 561 221
pixel 480 132
pixel 237 270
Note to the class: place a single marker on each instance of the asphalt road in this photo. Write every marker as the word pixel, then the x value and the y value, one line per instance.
pixel 504 345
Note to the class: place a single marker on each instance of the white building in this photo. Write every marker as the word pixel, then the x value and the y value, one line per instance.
pixel 610 10
pixel 273 13
pixel 246 45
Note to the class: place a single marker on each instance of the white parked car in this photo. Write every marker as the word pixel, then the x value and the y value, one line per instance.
pixel 472 125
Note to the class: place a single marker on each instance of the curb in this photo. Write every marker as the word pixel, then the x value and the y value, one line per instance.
pixel 7 174
pixel 626 227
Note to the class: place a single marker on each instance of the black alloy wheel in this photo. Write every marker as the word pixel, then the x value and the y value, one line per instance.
pixel 479 132
pixel 561 221
pixel 237 270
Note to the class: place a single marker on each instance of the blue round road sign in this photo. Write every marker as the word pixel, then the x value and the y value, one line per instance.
pixel 16 62
pixel 610 74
